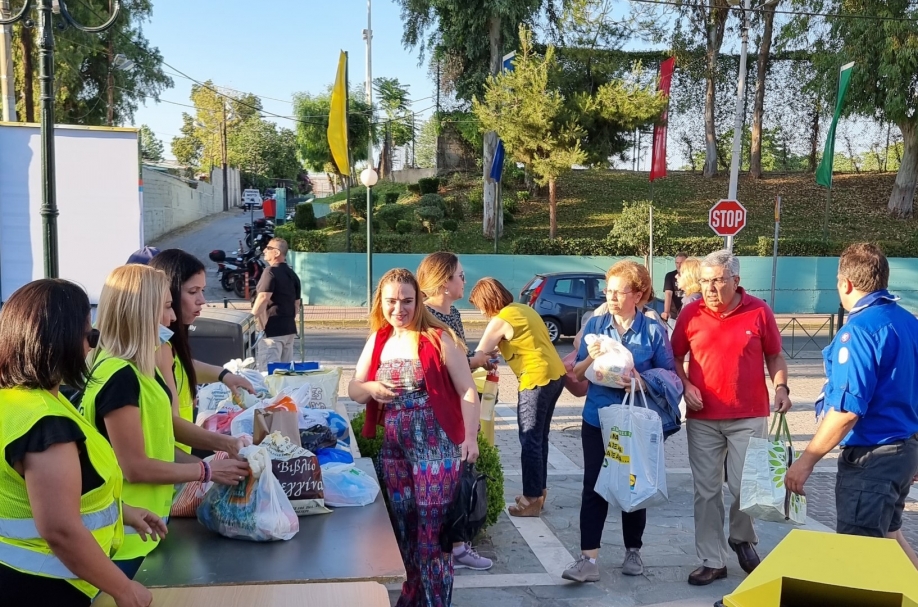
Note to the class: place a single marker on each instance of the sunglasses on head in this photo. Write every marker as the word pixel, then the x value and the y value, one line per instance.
pixel 92 338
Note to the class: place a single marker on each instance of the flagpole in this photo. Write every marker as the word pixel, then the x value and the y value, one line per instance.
pixel 347 109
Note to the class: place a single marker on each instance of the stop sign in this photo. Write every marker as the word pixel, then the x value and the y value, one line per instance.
pixel 727 217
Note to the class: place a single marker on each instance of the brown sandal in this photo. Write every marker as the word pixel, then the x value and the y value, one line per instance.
pixel 518 498
pixel 527 506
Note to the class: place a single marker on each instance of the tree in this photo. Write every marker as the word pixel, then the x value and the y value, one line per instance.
pixel 758 108
pixel 471 36
pixel 395 103
pixel 425 153
pixel 312 130
pixel 88 90
pixel 263 151
pixel 706 20
pixel 883 84
pixel 151 148
pixel 529 115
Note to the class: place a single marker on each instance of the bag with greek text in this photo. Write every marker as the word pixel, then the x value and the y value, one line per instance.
pixel 633 474
pixel 299 473
pixel 763 494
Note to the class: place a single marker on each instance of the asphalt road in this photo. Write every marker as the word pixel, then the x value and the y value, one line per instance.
pixel 220 231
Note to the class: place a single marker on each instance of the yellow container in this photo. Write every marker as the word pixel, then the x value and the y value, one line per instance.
pixel 809 569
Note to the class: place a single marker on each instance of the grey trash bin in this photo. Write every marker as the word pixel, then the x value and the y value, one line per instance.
pixel 220 335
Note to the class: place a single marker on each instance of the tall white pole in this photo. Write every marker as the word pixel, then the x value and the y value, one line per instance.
pixel 7 89
pixel 740 110
pixel 369 36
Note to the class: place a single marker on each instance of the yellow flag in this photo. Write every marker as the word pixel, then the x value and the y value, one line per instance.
pixel 337 118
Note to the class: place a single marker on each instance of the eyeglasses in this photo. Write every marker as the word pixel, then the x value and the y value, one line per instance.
pixel 461 276
pixel 616 294
pixel 92 338
pixel 271 249
pixel 717 282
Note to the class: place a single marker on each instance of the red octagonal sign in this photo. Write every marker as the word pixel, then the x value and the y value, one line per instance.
pixel 727 217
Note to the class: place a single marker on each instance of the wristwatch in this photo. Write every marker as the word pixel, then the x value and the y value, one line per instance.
pixel 782 386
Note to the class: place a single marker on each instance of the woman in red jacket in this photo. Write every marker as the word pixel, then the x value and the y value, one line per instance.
pixel 414 377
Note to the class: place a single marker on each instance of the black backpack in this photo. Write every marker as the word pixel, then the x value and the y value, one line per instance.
pixel 467 513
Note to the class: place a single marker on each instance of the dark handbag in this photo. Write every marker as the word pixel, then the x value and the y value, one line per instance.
pixel 467 513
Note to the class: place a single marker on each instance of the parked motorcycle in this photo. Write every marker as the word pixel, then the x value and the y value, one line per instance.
pixel 259 226
pixel 226 272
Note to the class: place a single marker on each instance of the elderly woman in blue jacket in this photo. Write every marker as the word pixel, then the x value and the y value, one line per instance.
pixel 654 367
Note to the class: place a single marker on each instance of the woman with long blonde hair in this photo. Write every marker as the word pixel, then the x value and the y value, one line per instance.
pixel 414 378
pixel 129 403
pixel 689 275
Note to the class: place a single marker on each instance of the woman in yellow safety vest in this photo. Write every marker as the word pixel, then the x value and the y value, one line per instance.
pixel 60 485
pixel 128 401
pixel 187 280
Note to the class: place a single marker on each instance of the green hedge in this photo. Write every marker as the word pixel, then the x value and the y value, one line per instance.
pixel 305 217
pixel 382 243
pixel 300 240
pixel 391 214
pixel 429 185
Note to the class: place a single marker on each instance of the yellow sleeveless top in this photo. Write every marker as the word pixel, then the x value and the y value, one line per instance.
pixel 530 353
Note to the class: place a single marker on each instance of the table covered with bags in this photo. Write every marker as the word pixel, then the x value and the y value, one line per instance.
pixel 311 510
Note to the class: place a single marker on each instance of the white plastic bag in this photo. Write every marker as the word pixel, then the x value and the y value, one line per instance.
pixel 257 509
pixel 246 368
pixel 323 392
pixel 613 367
pixel 633 474
pixel 763 494
pixel 348 485
pixel 210 397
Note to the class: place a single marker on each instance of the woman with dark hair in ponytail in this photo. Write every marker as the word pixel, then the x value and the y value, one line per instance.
pixel 187 280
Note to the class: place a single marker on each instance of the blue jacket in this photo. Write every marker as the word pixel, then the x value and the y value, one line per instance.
pixel 871 371
pixel 649 346
pixel 664 392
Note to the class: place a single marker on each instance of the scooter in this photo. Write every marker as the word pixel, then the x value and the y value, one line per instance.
pixel 226 272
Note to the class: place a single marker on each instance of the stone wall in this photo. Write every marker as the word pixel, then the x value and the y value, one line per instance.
pixel 411 175
pixel 170 203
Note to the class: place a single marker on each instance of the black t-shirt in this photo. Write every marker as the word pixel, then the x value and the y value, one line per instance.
pixel 284 286
pixel 670 284
pixel 54 430
pixel 121 390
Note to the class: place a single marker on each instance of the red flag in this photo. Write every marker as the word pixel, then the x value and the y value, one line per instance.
pixel 658 161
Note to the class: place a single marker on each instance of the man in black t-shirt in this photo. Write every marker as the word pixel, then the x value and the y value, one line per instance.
pixel 276 306
pixel 672 294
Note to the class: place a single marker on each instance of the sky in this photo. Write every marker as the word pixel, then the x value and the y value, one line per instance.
pixel 273 48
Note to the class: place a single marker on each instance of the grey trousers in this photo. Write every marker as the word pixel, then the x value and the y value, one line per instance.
pixel 710 442
pixel 274 350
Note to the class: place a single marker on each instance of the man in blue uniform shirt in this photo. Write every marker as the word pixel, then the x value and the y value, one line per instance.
pixel 870 403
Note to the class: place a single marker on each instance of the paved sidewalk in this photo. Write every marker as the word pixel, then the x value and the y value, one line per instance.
pixel 530 554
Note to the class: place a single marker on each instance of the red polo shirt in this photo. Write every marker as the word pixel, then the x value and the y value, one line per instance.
pixel 728 351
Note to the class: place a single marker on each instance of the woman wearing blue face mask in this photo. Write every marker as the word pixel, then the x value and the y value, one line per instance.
pixel 128 401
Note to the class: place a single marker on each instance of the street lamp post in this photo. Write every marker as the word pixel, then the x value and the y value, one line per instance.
pixel 49 210
pixel 369 177
pixel 740 107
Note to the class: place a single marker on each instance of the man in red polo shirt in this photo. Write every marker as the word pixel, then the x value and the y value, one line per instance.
pixel 730 338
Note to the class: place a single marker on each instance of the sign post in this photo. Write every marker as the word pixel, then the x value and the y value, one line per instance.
pixel 774 253
pixel 727 218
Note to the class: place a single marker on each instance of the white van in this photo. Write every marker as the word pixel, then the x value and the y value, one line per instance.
pixel 251 199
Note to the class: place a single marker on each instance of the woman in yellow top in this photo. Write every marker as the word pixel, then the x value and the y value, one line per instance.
pixel 182 373
pixel 128 401
pixel 524 343
pixel 60 486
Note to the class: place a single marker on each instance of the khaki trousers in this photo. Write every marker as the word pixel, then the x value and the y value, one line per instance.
pixel 710 442
pixel 274 350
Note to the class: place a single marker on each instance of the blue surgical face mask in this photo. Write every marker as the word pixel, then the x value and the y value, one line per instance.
pixel 165 334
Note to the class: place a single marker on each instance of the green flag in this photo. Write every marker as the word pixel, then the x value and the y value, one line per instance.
pixel 824 172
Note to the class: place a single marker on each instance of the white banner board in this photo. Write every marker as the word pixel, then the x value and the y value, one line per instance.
pixel 98 197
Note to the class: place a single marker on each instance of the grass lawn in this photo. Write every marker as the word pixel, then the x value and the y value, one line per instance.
pixel 590 200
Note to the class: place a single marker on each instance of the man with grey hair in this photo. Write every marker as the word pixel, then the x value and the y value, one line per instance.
pixel 728 335
pixel 276 306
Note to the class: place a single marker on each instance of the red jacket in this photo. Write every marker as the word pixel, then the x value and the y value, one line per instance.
pixel 441 393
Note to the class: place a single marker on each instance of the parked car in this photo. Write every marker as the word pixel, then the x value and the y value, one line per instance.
pixel 251 199
pixel 562 298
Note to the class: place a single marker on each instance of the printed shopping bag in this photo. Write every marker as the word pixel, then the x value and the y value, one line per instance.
pixel 633 474
pixel 613 367
pixel 763 494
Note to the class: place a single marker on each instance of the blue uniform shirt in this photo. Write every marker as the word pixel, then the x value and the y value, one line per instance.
pixel 872 371
pixel 649 346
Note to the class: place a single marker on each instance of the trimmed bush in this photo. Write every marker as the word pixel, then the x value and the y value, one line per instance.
pixel 632 230
pixel 414 188
pixel 391 214
pixel 696 246
pixel 523 196
pixel 455 207
pixel 306 241
pixel 429 185
pixel 489 463
pixel 335 219
pixel 339 206
pixel 403 226
pixel 433 200
pixel 392 197
pixel 450 225
pixel 305 217
pixel 430 217
pixel 606 247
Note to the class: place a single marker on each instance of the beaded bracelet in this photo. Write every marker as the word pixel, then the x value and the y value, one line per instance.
pixel 207 472
pixel 203 472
